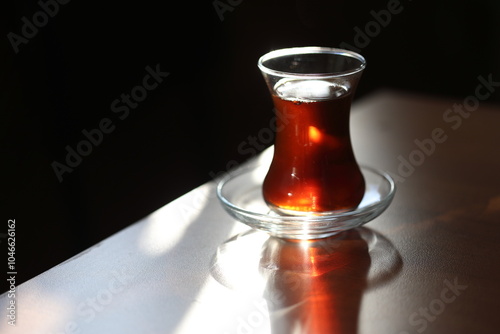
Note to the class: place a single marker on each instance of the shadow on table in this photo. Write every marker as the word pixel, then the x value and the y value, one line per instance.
pixel 314 286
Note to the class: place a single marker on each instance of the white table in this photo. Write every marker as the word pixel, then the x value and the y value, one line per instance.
pixel 433 265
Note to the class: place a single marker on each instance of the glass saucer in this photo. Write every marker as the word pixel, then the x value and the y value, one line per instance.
pixel 240 193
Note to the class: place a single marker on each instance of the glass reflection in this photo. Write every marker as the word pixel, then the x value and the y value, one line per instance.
pixel 316 286
pixel 310 286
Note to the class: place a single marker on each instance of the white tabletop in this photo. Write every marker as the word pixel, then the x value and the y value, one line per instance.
pixel 431 266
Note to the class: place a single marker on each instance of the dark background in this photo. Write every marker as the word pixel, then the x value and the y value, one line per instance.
pixel 65 78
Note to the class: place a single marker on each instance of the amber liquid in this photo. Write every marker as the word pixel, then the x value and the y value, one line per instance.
pixel 314 168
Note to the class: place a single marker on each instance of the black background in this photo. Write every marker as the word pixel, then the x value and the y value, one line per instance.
pixel 65 78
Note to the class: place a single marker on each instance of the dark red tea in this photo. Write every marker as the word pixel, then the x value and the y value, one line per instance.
pixel 314 168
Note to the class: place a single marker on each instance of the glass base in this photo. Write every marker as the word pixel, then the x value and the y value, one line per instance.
pixel 241 196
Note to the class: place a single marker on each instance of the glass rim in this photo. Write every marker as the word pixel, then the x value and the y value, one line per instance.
pixel 311 50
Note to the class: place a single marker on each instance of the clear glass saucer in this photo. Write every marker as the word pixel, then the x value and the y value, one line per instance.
pixel 240 193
